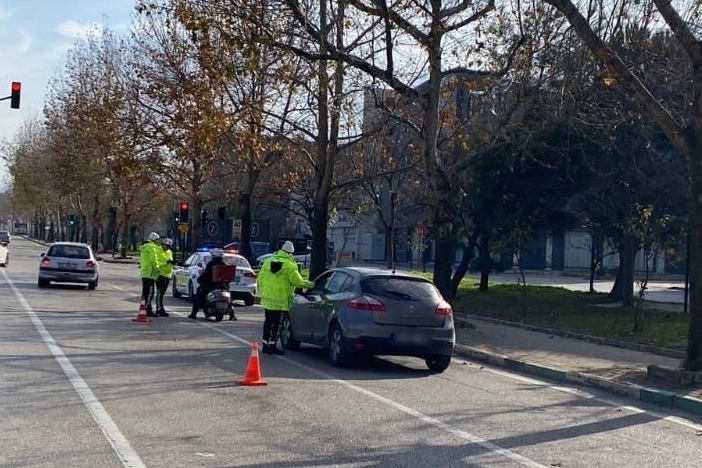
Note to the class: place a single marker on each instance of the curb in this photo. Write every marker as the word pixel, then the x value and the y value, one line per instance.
pixel 674 353
pixel 635 392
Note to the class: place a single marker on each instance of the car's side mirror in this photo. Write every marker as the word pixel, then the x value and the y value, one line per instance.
pixel 42 254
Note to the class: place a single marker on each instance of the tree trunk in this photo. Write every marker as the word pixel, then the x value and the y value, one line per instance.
pixel 693 360
pixel 462 268
pixel 318 226
pixel 245 216
pixel 484 261
pixel 623 288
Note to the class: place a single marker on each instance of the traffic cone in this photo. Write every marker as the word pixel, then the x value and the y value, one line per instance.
pixel 253 369
pixel 141 315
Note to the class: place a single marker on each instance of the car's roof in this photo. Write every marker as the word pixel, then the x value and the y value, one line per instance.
pixel 76 244
pixel 371 271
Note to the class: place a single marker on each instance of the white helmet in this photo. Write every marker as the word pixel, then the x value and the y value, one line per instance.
pixel 167 241
pixel 154 236
pixel 217 253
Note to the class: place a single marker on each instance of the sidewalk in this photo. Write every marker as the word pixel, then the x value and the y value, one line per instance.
pixel 615 369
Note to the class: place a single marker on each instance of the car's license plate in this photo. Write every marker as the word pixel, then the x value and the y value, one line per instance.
pixel 410 338
pixel 68 266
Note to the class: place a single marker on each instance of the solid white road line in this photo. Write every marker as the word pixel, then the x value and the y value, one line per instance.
pixel 126 454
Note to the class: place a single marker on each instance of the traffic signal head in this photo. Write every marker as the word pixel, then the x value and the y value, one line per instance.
pixel 184 212
pixel 15 94
pixel 71 220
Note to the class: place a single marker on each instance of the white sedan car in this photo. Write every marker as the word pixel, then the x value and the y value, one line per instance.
pixel 4 255
pixel 244 287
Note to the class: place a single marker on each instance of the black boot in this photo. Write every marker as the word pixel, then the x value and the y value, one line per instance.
pixel 277 351
pixel 266 349
pixel 150 312
pixel 162 313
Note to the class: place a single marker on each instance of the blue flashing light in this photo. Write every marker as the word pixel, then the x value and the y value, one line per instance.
pixel 203 249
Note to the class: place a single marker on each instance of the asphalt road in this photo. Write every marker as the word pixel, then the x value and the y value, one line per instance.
pixel 83 386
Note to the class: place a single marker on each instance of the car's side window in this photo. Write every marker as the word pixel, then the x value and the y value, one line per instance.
pixel 337 283
pixel 320 285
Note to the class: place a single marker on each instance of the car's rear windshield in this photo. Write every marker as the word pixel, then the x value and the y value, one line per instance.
pixel 69 251
pixel 237 261
pixel 398 287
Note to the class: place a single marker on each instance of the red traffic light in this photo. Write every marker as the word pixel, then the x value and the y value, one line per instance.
pixel 184 205
pixel 16 88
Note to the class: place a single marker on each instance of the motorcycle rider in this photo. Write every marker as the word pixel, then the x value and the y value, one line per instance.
pixel 205 283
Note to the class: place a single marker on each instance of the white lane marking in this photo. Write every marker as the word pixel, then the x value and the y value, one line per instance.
pixel 573 391
pixel 588 395
pixel 126 454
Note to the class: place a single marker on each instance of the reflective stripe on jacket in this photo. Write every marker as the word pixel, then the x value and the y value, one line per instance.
pixel 277 281
pixel 148 259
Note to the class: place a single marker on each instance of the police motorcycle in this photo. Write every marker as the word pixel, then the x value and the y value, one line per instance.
pixel 218 301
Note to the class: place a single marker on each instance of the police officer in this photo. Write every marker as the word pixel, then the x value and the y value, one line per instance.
pixel 148 260
pixel 205 282
pixel 165 273
pixel 277 281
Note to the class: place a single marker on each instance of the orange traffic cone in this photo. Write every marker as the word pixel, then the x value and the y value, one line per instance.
pixel 253 369
pixel 141 315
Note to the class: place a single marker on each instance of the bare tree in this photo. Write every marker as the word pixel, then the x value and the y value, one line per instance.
pixel 684 131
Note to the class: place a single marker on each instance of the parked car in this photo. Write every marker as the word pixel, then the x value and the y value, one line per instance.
pixel 244 287
pixel 355 311
pixel 4 255
pixel 4 237
pixel 69 262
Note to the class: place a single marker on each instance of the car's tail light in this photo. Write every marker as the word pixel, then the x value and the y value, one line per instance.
pixel 444 308
pixel 46 261
pixel 90 264
pixel 366 303
pixel 250 274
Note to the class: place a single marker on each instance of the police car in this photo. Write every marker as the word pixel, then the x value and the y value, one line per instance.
pixel 244 287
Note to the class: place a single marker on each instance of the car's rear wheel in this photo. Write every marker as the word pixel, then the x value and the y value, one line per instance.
pixel 93 284
pixel 338 354
pixel 42 283
pixel 176 293
pixel 287 340
pixel 438 362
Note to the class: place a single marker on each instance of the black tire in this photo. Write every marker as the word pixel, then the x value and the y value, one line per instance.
pixel 339 356
pixel 191 294
pixel 42 283
pixel 249 301
pixel 438 362
pixel 176 294
pixel 287 340
pixel 218 317
pixel 92 285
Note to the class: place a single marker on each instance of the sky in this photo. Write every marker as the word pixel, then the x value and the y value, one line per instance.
pixel 35 36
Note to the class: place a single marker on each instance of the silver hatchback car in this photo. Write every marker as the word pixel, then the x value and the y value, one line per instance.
pixel 69 262
pixel 366 311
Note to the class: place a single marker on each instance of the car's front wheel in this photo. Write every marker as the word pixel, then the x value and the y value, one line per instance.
pixel 287 340
pixel 438 362
pixel 176 293
pixel 249 301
